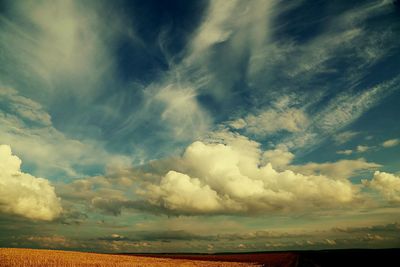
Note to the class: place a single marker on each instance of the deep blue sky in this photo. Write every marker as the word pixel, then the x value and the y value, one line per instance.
pixel 260 115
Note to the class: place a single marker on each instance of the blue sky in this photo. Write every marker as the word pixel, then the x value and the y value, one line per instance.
pixel 199 125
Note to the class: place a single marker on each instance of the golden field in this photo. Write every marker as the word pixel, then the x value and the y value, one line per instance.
pixel 47 258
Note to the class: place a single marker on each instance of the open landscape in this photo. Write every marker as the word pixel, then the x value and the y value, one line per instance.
pixel 48 258
pixel 199 133
pixel 35 257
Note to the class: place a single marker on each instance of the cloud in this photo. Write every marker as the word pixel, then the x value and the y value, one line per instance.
pixel 391 143
pixel 156 235
pixel 347 107
pixel 27 127
pixel 272 121
pixel 108 205
pixel 341 111
pixel 226 173
pixel 279 157
pixel 358 149
pixel 242 57
pixel 182 111
pixel 361 234
pixel 73 37
pixel 232 21
pixel 362 149
pixel 26 109
pixel 345 152
pixel 391 228
pixel 178 191
pixel 345 35
pixel 344 137
pixel 54 241
pixel 340 170
pixel 386 184
pixel 213 30
pixel 24 194
pixel 230 32
pixel 229 178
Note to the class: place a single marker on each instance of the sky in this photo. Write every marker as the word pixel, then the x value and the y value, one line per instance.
pixel 199 126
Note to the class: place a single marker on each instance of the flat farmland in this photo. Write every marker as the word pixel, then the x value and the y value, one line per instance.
pixel 324 258
pixel 47 258
pixel 274 259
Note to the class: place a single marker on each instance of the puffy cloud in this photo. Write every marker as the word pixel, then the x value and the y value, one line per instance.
pixel 387 184
pixel 24 194
pixel 391 143
pixel 279 157
pixel 229 177
pixel 224 174
pixel 178 191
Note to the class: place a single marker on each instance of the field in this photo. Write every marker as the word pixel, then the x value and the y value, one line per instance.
pixel 276 259
pixel 47 258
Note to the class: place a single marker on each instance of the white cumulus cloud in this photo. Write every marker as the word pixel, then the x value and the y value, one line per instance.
pixel 387 184
pixel 23 194
pixel 231 177
pixel 279 157
pixel 178 191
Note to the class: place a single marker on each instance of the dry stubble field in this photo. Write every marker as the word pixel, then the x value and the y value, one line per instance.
pixel 47 258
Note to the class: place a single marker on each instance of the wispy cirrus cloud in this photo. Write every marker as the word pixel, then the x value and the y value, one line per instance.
pixel 272 121
pixel 341 111
pixel 27 127
pixel 344 137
